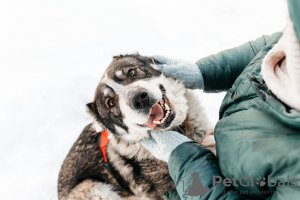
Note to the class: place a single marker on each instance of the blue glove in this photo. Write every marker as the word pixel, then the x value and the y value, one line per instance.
pixel 162 143
pixel 188 73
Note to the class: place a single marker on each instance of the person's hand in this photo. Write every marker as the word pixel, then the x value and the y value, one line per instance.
pixel 188 73
pixel 162 143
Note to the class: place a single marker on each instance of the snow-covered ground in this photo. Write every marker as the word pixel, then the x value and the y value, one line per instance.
pixel 53 53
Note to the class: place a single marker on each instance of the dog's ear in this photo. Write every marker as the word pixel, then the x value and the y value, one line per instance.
pixel 155 61
pixel 115 58
pixel 91 108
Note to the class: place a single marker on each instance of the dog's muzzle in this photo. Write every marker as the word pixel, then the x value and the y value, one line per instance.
pixel 161 113
pixel 139 100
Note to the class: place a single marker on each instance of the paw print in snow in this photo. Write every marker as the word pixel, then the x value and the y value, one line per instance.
pixel 261 181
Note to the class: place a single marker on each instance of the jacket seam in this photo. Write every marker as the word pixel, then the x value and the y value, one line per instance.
pixel 254 51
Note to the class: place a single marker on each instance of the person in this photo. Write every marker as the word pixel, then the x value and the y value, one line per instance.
pixel 258 134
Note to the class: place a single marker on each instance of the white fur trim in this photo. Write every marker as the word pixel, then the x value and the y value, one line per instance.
pixel 284 80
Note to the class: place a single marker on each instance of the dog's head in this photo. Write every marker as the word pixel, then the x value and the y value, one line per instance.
pixel 133 96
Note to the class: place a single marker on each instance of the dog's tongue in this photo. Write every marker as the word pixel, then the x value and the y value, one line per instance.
pixel 157 114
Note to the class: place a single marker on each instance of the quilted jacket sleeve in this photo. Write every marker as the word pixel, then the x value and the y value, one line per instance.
pixel 221 70
pixel 294 6
pixel 192 165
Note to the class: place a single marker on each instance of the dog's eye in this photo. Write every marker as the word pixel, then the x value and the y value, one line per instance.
pixel 111 103
pixel 132 73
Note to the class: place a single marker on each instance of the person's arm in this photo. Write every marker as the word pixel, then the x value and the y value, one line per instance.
pixel 217 72
pixel 190 161
pixel 190 165
pixel 220 70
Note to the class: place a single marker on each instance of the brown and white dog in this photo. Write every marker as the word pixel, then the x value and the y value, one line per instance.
pixel 132 97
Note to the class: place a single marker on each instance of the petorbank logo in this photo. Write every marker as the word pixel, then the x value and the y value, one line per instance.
pixel 196 188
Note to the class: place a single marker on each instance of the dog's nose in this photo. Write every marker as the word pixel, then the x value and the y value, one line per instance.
pixel 140 100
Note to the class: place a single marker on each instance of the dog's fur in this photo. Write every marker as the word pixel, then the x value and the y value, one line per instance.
pixel 137 174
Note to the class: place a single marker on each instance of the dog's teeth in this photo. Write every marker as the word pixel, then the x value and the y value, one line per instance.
pixel 167 107
pixel 157 122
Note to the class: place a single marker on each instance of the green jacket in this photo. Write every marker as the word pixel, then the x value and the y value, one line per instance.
pixel 257 136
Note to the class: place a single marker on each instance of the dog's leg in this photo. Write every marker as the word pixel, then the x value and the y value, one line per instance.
pixel 198 127
pixel 197 123
pixel 93 190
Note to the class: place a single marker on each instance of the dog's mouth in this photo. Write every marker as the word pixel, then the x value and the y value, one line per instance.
pixel 162 114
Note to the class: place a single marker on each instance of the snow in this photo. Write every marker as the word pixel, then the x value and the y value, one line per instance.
pixel 53 54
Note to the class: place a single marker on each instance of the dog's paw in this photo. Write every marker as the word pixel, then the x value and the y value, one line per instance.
pixel 209 142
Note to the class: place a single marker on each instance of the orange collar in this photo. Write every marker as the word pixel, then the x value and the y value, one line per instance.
pixel 103 144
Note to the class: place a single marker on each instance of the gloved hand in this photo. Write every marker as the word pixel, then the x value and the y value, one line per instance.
pixel 188 73
pixel 162 143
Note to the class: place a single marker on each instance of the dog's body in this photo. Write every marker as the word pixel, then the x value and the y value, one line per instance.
pixel 132 97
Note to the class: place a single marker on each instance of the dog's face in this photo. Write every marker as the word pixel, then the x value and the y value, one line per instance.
pixel 134 96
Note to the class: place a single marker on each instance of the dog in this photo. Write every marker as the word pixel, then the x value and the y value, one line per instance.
pixel 132 97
